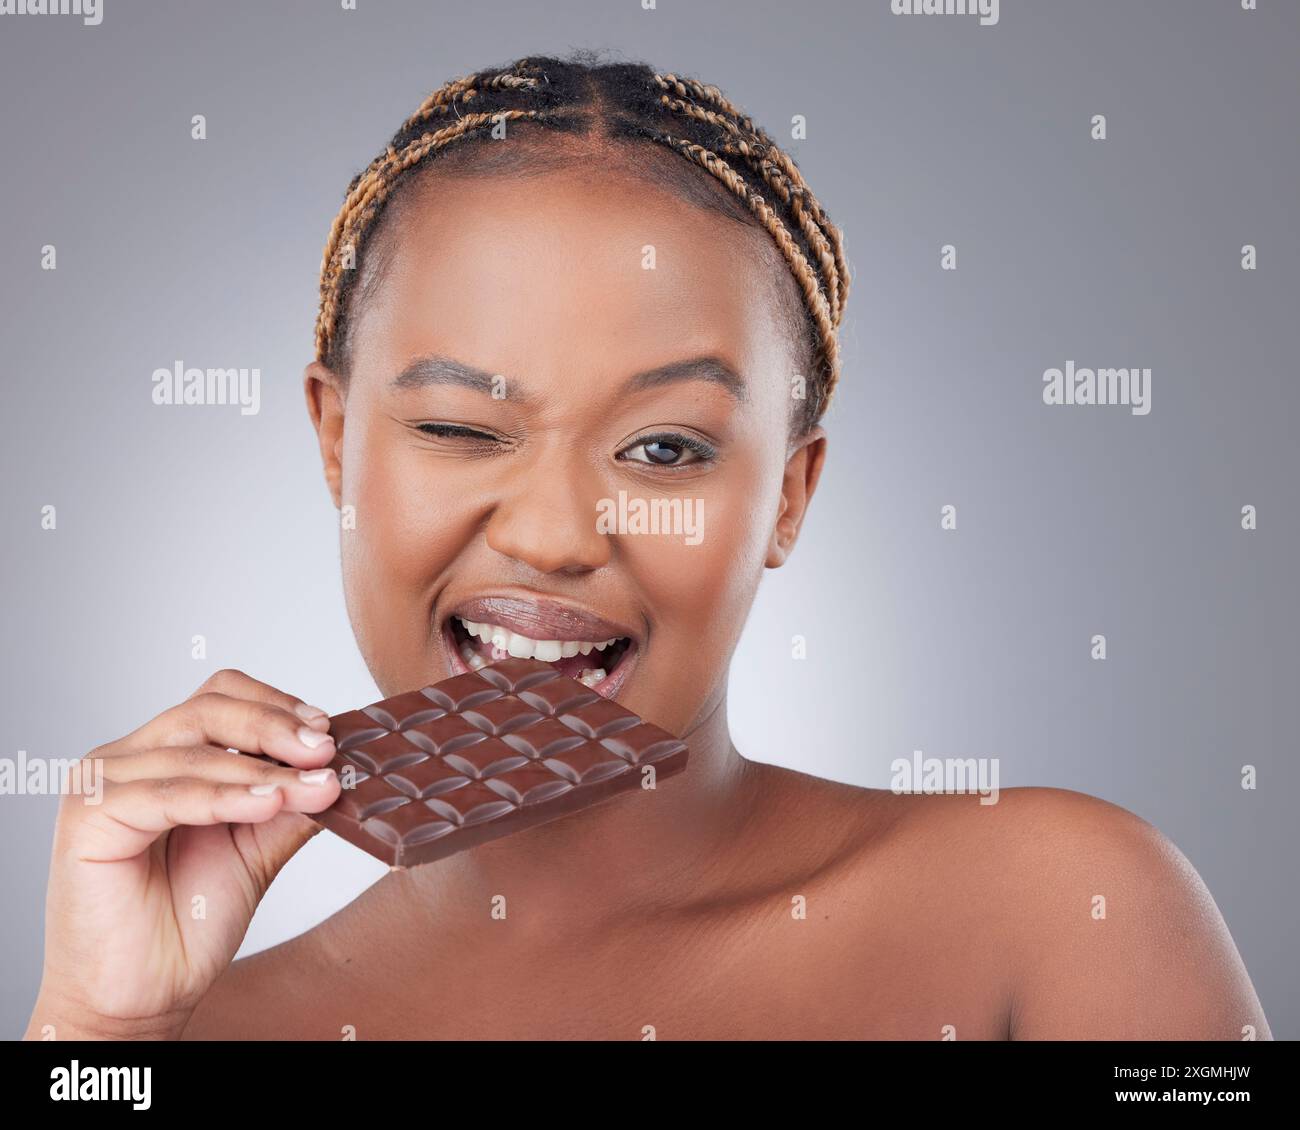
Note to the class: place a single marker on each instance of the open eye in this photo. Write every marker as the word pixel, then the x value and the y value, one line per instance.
pixel 670 449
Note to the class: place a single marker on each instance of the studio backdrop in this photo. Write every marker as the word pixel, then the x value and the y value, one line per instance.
pixel 1094 591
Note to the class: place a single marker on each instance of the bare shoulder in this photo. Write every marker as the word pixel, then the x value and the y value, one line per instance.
pixel 1091 921
pixel 261 996
pixel 1112 931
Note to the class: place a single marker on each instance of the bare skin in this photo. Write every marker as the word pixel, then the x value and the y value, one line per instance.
pixel 926 917
pixel 739 900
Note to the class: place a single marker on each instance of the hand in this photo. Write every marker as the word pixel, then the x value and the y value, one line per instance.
pixel 151 890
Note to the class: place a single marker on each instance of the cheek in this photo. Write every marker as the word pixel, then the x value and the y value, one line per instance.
pixel 699 594
pixel 408 520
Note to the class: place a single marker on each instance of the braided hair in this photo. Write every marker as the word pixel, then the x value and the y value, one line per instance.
pixel 628 103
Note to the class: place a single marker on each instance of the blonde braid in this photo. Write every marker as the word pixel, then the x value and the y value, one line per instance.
pixel 370 193
pixel 624 102
pixel 823 316
pixel 810 219
pixel 714 97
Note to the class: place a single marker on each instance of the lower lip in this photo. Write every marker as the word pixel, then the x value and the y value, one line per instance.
pixel 608 687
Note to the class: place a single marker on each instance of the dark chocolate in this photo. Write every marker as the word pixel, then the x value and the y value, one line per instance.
pixel 482 755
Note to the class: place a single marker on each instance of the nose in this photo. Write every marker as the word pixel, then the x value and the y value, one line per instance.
pixel 545 517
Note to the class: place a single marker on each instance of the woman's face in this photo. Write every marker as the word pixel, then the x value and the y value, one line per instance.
pixel 537 351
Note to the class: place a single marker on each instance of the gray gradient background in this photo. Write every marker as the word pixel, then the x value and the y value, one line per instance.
pixel 922 131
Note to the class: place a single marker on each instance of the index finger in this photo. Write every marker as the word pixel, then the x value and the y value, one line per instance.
pixel 237 684
pixel 242 724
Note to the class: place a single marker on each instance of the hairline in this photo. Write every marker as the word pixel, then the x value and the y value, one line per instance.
pixel 539 153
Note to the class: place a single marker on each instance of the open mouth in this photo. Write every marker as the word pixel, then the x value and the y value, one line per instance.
pixel 601 664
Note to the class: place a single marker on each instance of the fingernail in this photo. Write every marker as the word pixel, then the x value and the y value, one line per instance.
pixel 312 738
pixel 315 776
pixel 309 713
pixel 262 790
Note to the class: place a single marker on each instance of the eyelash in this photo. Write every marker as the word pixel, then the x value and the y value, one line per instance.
pixel 452 431
pixel 703 452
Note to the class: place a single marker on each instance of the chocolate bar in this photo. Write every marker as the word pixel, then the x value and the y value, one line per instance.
pixel 482 755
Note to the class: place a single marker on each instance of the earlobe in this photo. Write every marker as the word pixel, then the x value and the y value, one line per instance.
pixel 802 471
pixel 324 394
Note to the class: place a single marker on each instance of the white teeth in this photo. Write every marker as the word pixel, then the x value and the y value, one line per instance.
pixel 592 676
pixel 522 647
pixel 476 661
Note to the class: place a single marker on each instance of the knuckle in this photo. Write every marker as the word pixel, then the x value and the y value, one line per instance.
pixel 221 681
pixel 268 716
pixel 164 787
pixel 195 755
pixel 203 701
pixel 183 724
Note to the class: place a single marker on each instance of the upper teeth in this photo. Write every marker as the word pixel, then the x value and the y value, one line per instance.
pixel 522 647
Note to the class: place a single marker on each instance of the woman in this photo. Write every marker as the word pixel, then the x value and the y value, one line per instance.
pixel 564 283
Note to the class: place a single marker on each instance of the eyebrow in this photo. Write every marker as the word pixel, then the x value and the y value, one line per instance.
pixel 694 369
pixel 440 370
pixel 436 370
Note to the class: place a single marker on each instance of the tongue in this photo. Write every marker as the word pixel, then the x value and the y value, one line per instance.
pixel 573 665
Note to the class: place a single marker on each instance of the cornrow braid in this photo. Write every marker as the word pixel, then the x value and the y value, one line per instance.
pixel 626 103
pixel 784 177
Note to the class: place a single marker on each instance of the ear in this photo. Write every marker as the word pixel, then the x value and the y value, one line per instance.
pixel 802 470
pixel 325 405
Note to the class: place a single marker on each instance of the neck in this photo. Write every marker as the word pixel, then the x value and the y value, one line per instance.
pixel 640 853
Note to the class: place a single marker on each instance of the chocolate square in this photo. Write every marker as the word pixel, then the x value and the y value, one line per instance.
pixel 481 755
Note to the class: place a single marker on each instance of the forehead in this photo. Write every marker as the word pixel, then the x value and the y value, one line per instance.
pixel 572 267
